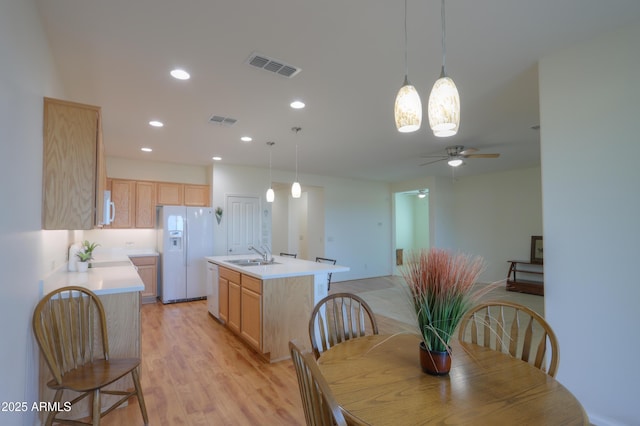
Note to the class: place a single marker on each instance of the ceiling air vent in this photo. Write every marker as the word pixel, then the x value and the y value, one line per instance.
pixel 222 121
pixel 273 65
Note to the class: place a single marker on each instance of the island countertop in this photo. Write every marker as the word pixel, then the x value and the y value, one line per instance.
pixel 283 268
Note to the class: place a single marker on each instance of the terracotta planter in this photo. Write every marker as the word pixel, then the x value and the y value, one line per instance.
pixel 434 362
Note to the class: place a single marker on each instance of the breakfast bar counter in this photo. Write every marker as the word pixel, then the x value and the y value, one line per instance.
pixel 117 284
pixel 267 305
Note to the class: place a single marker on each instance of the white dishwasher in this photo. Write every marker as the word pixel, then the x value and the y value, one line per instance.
pixel 213 298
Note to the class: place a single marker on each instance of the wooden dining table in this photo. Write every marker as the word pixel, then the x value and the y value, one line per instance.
pixel 377 380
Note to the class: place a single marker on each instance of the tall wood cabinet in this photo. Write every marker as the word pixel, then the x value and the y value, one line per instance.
pixel 73 170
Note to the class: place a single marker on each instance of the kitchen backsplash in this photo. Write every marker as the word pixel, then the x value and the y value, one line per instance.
pixel 132 239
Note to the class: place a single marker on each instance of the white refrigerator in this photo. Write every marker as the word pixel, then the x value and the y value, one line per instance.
pixel 185 237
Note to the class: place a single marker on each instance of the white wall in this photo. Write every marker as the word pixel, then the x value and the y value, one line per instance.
pixel 357 216
pixel 495 216
pixel 589 99
pixel 26 253
pixel 125 168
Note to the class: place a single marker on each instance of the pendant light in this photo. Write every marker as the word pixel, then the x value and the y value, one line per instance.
pixel 296 189
pixel 408 108
pixel 444 101
pixel 270 194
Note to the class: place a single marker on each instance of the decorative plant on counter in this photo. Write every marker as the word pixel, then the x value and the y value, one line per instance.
pixel 441 286
pixel 86 254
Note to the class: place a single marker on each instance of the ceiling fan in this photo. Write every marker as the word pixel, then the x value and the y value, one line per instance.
pixel 456 155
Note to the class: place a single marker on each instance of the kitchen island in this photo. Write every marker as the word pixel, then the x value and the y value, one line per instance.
pixel 267 305
pixel 116 282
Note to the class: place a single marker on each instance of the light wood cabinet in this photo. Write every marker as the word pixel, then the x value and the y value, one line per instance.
pixel 223 294
pixel 123 195
pixel 169 194
pixel 145 204
pixel 73 168
pixel 230 298
pixel 147 267
pixel 234 307
pixel 251 308
pixel 197 195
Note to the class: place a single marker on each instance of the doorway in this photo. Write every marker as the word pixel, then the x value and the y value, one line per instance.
pixel 297 224
pixel 411 212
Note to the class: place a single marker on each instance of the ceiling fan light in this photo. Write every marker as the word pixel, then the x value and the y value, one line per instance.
pixel 408 109
pixel 455 162
pixel 271 196
pixel 444 108
pixel 296 190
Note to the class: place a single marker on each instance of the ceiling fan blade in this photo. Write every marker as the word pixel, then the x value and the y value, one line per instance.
pixel 468 151
pixel 434 161
pixel 442 157
pixel 482 156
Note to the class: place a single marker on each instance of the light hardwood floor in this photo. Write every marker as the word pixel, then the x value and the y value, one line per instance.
pixel 196 372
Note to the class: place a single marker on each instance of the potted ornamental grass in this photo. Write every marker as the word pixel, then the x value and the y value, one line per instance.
pixel 441 286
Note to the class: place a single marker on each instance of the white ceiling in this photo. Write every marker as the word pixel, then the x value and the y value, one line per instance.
pixel 118 54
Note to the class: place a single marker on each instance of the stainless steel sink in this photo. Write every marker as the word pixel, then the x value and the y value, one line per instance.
pixel 251 262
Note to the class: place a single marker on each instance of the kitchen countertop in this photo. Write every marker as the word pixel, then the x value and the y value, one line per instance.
pixel 111 272
pixel 285 266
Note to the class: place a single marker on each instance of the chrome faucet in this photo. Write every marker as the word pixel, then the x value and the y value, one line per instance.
pixel 261 253
pixel 266 254
pixel 269 256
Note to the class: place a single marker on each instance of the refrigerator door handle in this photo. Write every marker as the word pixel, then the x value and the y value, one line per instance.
pixel 186 240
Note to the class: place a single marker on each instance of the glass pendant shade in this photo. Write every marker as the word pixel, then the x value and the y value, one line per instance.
pixel 296 190
pixel 408 108
pixel 444 107
pixel 270 195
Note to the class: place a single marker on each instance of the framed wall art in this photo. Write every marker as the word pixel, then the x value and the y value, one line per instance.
pixel 537 252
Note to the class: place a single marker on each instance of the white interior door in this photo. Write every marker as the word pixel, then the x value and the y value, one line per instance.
pixel 243 224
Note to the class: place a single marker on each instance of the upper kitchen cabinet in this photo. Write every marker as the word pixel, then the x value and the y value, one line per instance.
pixel 179 194
pixel 197 195
pixel 74 171
pixel 145 204
pixel 123 195
pixel 170 194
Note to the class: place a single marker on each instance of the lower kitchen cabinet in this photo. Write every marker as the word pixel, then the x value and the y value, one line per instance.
pixel 266 314
pixel 234 307
pixel 223 294
pixel 251 308
pixel 147 267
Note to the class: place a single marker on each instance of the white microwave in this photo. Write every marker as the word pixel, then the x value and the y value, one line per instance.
pixel 108 210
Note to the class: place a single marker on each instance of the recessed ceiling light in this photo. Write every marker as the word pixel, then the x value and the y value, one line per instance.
pixel 297 105
pixel 146 149
pixel 217 158
pixel 156 123
pixel 246 139
pixel 180 74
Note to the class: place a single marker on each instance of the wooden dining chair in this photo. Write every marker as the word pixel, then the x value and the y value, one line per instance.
pixel 337 318
pixel 294 255
pixel 514 329
pixel 320 407
pixel 330 261
pixel 71 330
